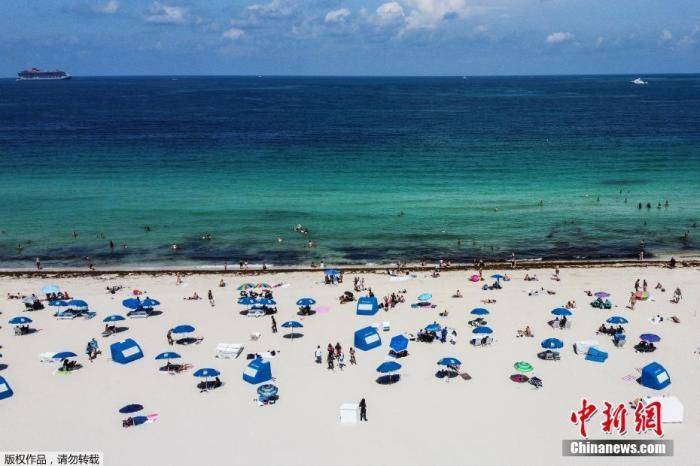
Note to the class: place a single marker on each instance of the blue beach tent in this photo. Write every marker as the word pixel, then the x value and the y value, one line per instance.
pixel 596 355
pixel 5 390
pixel 367 306
pixel 367 338
pixel 126 351
pixel 258 371
pixel 654 376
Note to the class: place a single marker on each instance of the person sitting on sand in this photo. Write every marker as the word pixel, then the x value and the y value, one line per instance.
pixel 525 333
pixel 222 283
pixel 194 297
pixel 488 301
pixel 458 294
pixel 444 313
pixel 562 322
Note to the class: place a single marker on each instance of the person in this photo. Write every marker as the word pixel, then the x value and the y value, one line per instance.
pixel 338 349
pixel 633 300
pixel 274 325
pixel 341 361
pixel 353 361
pixel 330 361
pixel 677 295
pixel 363 410
pixel 37 261
pixel 222 283
pixel 210 295
pixel 169 336
pixel 318 355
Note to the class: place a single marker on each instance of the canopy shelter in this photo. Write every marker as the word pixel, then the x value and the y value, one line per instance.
pixel 367 338
pixel 258 371
pixel 654 376
pixel 126 351
pixel 5 389
pixel 367 306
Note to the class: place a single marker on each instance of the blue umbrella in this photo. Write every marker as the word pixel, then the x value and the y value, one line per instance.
pixel 617 320
pixel 601 294
pixel 77 304
pixel 206 372
pixel 389 366
pixel 449 362
pixel 561 311
pixel 498 276
pixel 266 302
pixel 132 408
pixel 482 330
pixel 480 311
pixel 433 328
pixel 246 301
pixel 113 318
pixel 148 302
pixel 168 355
pixel 649 337
pixel 424 297
pixel 132 303
pixel 306 302
pixel 64 355
pixel 399 343
pixel 20 320
pixel 57 303
pixel 552 343
pixel 183 329
pixel 292 324
pixel 49 289
pixel 332 272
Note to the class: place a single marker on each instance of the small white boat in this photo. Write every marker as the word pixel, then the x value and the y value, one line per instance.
pixel 639 81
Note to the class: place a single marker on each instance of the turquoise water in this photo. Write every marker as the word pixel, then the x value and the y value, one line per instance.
pixel 245 159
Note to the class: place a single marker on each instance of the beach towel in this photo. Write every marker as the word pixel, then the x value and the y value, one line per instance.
pixel 322 309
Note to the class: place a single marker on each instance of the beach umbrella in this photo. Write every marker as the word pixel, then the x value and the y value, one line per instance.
pixel 20 320
pixel 132 303
pixel 132 408
pixel 64 355
pixel 332 272
pixel 306 302
pixel 601 294
pixel 148 302
pixel 267 390
pixel 617 320
pixel 424 296
pixel 480 311
pixel 523 366
pixel 246 301
pixel 168 355
pixel 266 302
pixel 399 343
pixel 245 286
pixel 450 362
pixel 552 343
pixel 648 337
pixel 434 327
pixel 263 285
pixel 483 330
pixel 388 366
pixel 113 318
pixel 519 378
pixel 50 289
pixel 183 329
pixel 292 324
pixel 498 276
pixel 561 311
pixel 206 372
pixel 77 304
pixel 57 303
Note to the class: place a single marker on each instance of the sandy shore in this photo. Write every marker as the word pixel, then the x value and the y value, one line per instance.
pixel 421 420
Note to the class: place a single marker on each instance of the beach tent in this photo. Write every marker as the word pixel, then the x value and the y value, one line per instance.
pixel 654 376
pixel 367 306
pixel 126 351
pixel 5 390
pixel 671 408
pixel 596 355
pixel 258 371
pixel 367 338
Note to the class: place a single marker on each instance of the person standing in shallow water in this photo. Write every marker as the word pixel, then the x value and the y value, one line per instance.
pixel 363 410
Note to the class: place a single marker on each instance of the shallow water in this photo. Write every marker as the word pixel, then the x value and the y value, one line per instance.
pixel 244 159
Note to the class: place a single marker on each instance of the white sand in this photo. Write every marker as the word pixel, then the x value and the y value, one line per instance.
pixel 421 420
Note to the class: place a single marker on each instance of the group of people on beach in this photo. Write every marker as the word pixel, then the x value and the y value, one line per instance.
pixel 334 354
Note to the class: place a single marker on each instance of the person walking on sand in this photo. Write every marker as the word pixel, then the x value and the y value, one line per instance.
pixel 274 326
pixel 341 361
pixel 677 295
pixel 178 279
pixel 353 361
pixel 330 361
pixel 37 261
pixel 318 355
pixel 363 410
pixel 633 300
pixel 169 336
pixel 210 295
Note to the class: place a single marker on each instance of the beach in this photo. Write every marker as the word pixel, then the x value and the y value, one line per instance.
pixel 420 420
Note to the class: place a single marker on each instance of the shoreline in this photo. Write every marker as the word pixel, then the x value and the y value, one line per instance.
pixel 271 270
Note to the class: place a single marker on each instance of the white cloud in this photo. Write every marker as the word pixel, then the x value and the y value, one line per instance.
pixel 666 35
pixel 274 9
pixel 691 39
pixel 337 16
pixel 427 14
pixel 233 34
pixel 480 29
pixel 388 12
pixel 166 14
pixel 599 41
pixel 110 7
pixel 559 37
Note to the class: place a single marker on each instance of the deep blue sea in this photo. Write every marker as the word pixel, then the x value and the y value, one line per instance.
pixel 377 169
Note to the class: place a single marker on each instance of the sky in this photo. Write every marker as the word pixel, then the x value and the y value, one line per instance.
pixel 350 37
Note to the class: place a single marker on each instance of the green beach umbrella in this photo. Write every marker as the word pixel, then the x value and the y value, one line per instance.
pixel 523 366
pixel 245 286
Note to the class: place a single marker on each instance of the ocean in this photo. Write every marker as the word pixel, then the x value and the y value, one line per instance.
pixel 377 169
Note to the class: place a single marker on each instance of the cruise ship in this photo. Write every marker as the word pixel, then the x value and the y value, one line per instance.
pixel 36 73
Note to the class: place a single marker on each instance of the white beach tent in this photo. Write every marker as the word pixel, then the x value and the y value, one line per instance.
pixel 671 408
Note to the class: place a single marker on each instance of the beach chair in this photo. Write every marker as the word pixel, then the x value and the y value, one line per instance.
pixel 228 350
pixel 66 315
pixel 255 336
pixel 568 323
pixel 475 341
pixel 386 326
